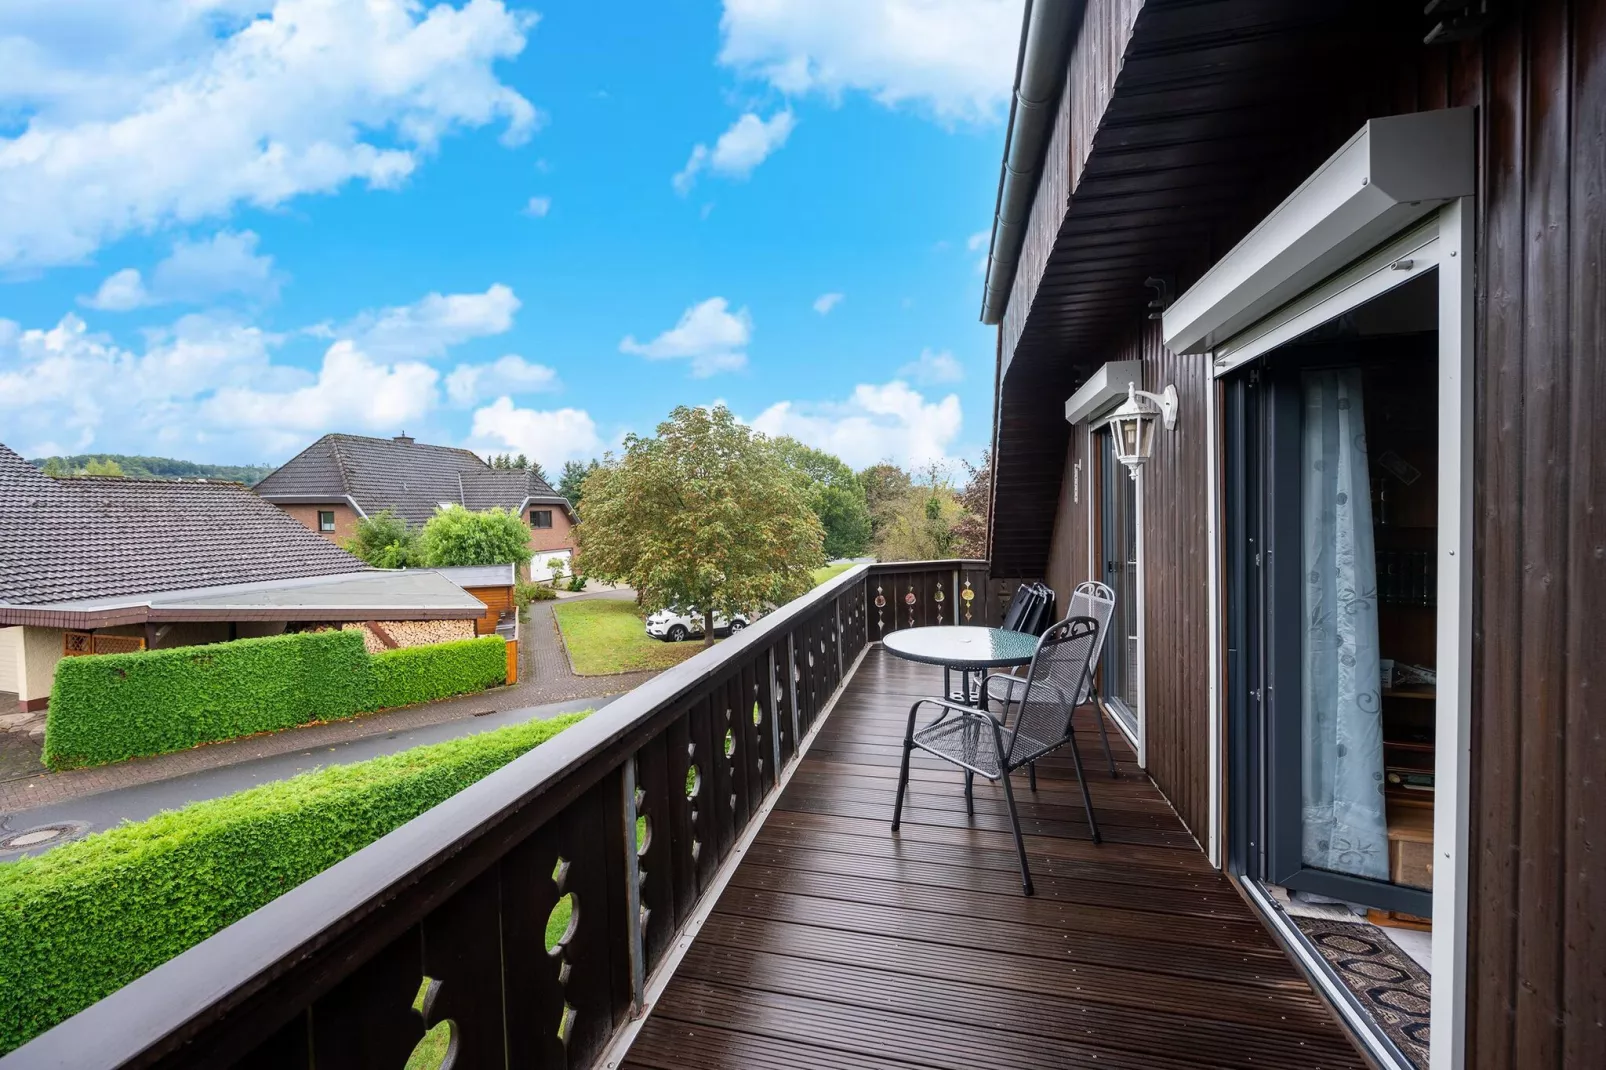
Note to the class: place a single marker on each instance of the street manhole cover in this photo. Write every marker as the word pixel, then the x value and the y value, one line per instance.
pixel 39 837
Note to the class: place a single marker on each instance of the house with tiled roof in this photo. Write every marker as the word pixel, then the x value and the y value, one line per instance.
pixel 97 565
pixel 339 479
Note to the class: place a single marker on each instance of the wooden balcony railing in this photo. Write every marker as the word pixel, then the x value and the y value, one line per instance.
pixel 327 974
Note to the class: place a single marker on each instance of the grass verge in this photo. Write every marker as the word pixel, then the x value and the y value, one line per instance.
pixel 829 571
pixel 609 635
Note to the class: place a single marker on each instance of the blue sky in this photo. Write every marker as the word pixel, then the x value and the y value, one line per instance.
pixel 229 226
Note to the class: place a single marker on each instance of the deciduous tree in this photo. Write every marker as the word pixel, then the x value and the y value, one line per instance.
pixel 836 495
pixel 704 515
pixel 385 541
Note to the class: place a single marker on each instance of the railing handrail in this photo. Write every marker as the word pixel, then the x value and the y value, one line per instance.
pixel 157 1011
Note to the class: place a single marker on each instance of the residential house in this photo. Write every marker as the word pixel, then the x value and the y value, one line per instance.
pixel 339 478
pixel 1356 546
pixel 103 565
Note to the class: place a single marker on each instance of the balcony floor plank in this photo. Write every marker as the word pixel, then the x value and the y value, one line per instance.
pixel 840 945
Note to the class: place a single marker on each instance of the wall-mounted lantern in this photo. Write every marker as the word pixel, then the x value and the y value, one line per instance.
pixel 1132 425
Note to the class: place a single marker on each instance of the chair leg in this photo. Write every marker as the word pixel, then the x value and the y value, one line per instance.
pixel 903 772
pixel 1020 842
pixel 1087 800
pixel 1031 769
pixel 970 801
pixel 1100 714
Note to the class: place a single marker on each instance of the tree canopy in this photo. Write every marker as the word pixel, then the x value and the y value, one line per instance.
pixel 458 536
pixel 385 541
pixel 507 461
pixel 704 515
pixel 835 494
pixel 572 483
pixel 922 524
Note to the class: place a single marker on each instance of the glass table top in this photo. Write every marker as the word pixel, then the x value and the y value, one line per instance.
pixel 962 646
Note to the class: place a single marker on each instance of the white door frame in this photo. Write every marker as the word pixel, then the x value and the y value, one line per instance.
pixel 1444 243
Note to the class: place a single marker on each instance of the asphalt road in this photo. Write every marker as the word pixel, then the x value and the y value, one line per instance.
pixel 92 813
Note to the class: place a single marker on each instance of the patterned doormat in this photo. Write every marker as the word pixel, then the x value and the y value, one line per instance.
pixel 1386 981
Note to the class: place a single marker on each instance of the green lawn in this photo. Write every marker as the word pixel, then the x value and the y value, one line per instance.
pixel 823 574
pixel 608 635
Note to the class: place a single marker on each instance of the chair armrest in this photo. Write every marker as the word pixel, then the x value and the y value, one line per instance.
pixel 1008 678
pixel 949 706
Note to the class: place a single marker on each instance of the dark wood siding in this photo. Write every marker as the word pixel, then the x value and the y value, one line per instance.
pixel 1176 576
pixel 1538 948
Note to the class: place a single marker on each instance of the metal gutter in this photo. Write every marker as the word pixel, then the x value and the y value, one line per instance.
pixel 1048 28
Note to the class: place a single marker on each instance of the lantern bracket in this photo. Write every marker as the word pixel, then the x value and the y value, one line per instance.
pixel 1166 400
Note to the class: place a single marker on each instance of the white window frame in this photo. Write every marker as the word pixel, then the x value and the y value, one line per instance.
pixel 1445 243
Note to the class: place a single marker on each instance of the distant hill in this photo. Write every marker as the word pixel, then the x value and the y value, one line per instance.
pixel 154 467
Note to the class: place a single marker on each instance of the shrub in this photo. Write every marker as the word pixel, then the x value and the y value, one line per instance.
pixel 81 921
pixel 525 592
pixel 456 536
pixel 422 673
pixel 107 707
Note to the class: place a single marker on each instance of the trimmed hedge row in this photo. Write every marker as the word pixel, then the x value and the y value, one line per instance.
pixel 108 707
pixel 423 673
pixel 81 921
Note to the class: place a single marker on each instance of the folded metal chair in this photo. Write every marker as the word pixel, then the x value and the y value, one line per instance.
pixel 1036 720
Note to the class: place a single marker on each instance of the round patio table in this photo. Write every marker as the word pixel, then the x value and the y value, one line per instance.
pixel 963 647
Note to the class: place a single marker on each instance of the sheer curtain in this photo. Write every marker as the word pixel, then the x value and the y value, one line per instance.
pixel 1344 821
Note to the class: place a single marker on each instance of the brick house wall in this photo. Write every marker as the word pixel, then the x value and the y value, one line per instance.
pixel 560 536
pixel 345 519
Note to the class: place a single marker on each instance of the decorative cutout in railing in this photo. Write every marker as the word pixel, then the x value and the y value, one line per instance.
pixel 627 815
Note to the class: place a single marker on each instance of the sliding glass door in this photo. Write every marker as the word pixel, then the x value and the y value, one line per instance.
pixel 1305 503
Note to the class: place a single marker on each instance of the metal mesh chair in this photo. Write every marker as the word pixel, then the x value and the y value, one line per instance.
pixel 993 746
pixel 1094 599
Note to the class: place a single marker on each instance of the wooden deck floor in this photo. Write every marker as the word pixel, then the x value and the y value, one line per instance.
pixel 839 945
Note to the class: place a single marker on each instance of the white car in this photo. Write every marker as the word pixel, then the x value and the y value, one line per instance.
pixel 672 627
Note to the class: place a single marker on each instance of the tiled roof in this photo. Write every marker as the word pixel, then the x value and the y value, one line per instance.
pixel 413 478
pixel 70 539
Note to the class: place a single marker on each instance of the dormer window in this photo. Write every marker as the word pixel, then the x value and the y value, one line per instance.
pixel 540 518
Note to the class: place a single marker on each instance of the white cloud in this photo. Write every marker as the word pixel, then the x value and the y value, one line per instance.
pixel 430 326
pixel 747 143
pixel 120 292
pixel 209 379
pixel 955 58
pixel 351 390
pixel 887 422
pixel 512 374
pixel 550 437
pixel 933 368
pixel 194 273
pixel 208 109
pixel 978 240
pixel 64 383
pixel 538 207
pixel 826 302
pixel 709 335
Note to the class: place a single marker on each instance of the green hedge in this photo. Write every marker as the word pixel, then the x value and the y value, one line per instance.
pixel 424 673
pixel 108 707
pixel 79 922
